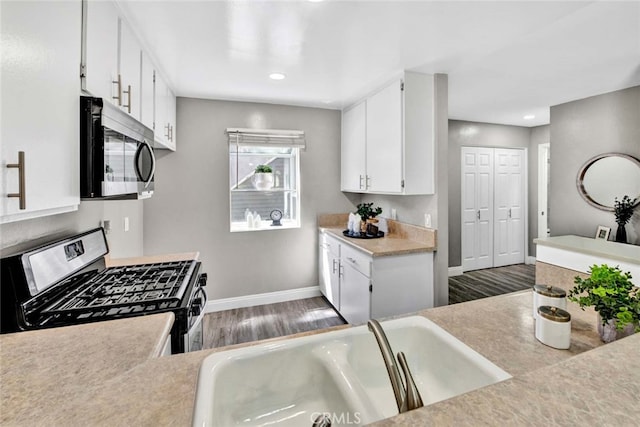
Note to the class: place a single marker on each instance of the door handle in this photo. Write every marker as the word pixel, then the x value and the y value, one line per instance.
pixel 21 194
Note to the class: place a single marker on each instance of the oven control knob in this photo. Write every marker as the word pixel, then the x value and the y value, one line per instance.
pixel 202 281
pixel 196 307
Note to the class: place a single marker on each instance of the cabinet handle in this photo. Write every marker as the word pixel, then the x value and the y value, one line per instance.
pixel 119 83
pixel 351 260
pixel 21 194
pixel 509 212
pixel 478 214
pixel 334 267
pixel 361 181
pixel 167 127
pixel 171 133
pixel 368 182
pixel 128 106
pixel 340 270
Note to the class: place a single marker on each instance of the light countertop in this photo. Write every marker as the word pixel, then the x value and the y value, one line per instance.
pixel 79 376
pixel 401 238
pixel 598 247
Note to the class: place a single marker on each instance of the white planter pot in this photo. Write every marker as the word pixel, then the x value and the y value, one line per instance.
pixel 608 332
pixel 263 181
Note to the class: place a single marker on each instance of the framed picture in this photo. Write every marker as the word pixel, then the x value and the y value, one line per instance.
pixel 603 233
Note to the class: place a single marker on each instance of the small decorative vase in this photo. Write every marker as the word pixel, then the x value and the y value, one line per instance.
pixel 608 332
pixel 621 234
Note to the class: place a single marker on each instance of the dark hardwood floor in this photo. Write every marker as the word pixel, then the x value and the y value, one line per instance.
pixel 241 325
pixel 275 320
pixel 491 282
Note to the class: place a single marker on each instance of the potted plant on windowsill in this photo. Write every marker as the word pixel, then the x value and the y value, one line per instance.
pixel 367 214
pixel 263 177
pixel 614 298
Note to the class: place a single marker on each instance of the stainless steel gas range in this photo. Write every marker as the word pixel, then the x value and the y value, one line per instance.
pixel 65 283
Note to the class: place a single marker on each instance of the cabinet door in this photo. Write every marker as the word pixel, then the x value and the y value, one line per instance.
pixel 171 118
pixel 129 67
pixel 39 77
pixel 100 50
pixel 147 104
pixel 354 295
pixel 353 149
pixel 384 140
pixel 161 122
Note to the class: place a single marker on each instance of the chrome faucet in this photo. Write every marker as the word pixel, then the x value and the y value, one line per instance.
pixel 406 398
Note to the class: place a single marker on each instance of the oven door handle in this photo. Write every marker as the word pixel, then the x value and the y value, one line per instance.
pixel 136 159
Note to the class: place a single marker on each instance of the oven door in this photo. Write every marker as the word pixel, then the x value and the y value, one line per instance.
pixel 194 338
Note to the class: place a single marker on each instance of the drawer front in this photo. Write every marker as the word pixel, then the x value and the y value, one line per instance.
pixel 330 243
pixel 356 259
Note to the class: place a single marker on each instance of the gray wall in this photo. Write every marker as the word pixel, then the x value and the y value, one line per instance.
pixel 411 209
pixel 121 244
pixel 580 130
pixel 539 135
pixel 190 208
pixel 473 134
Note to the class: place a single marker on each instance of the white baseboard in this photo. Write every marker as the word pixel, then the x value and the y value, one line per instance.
pixel 455 271
pixel 260 299
pixel 531 260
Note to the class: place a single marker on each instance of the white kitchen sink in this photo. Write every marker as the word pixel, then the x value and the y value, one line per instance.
pixel 339 373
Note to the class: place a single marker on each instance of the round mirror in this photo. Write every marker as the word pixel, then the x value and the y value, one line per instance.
pixel 608 176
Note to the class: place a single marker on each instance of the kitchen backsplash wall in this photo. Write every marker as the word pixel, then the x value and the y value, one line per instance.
pixel 190 208
pixel 581 130
pixel 121 244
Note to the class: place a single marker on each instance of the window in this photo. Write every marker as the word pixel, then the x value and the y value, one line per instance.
pixel 252 194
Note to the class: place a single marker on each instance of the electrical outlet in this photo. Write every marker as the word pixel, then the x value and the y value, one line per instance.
pixel 393 214
pixel 106 224
pixel 427 220
pixel 126 223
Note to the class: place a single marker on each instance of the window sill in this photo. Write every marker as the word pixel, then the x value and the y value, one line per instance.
pixel 239 227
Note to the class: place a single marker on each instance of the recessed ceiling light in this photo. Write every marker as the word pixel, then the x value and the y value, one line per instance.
pixel 277 76
pixel 529 117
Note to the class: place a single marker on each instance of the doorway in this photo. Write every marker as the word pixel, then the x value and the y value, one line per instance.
pixel 494 207
pixel 544 161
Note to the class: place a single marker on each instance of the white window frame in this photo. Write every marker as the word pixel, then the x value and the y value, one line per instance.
pixel 268 139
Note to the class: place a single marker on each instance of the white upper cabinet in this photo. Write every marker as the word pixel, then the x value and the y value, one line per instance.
pixel 147 101
pixel 353 148
pixel 129 66
pixel 164 130
pixel 40 57
pixel 384 140
pixel 100 50
pixel 398 133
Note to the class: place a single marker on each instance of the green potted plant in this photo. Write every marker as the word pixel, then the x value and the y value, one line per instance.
pixel 263 177
pixel 614 298
pixel 367 214
pixel 623 210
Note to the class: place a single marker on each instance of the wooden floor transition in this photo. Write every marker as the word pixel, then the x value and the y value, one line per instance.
pixel 242 325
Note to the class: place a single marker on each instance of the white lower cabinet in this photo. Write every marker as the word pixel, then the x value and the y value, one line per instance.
pixel 362 287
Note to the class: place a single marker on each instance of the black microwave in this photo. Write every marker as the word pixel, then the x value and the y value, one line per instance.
pixel 116 153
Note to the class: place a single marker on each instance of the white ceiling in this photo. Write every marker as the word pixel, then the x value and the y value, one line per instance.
pixel 504 59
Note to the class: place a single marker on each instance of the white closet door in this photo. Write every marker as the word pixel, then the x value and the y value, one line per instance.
pixel 509 207
pixel 477 208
